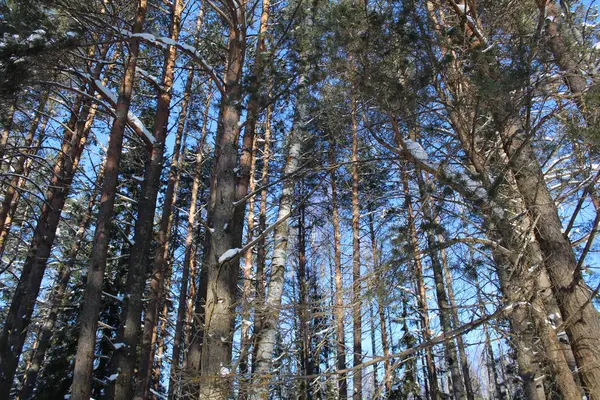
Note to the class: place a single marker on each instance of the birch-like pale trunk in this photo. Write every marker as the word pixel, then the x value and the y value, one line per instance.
pixel 272 306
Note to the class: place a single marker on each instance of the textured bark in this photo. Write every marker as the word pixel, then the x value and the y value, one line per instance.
pixel 267 337
pixel 125 358
pixel 157 277
pixel 189 258
pixel 221 277
pixel 247 165
pixel 57 297
pixel 82 376
pixel 8 125
pixel 565 58
pixel 387 378
pixel 19 166
pixel 23 302
pixel 261 251
pixel 434 391
pixel 356 286
pixel 248 284
pixel 571 292
pixel 464 363
pixel 304 314
pixel 339 285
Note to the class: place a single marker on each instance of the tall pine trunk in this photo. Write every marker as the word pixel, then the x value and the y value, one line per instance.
pixel 83 373
pixel 339 282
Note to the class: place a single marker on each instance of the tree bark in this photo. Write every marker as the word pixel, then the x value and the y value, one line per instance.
pixel 222 275
pixel 189 258
pixel 57 297
pixel 267 337
pixel 162 252
pixel 261 251
pixel 82 376
pixel 19 167
pixel 571 292
pixel 356 284
pixel 339 282
pixel 445 309
pixel 434 390
pixel 129 331
pixel 22 305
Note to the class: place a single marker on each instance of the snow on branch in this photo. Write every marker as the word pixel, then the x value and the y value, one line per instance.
pixel 164 42
pixel 111 98
pixel 229 255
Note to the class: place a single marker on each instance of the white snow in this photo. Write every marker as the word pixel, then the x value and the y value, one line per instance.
pixel 228 255
pixel 113 377
pixel 416 150
pixel 134 120
pixel 117 346
pixel 224 371
pixel 160 396
pixel 148 76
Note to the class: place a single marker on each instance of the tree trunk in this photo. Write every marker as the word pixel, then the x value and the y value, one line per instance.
pixel 304 313
pixel 571 292
pixel 23 302
pixel 222 272
pixel 8 125
pixel 267 337
pixel 57 296
pixel 19 166
pixel 445 310
pixel 248 284
pixel 261 252
pixel 162 252
pixel 82 376
pixel 434 390
pixel 189 257
pixel 356 284
pixel 339 283
pixel 129 331
pixel 464 364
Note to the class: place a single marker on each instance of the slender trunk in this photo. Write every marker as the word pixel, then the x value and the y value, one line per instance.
pixel 19 166
pixel 339 285
pixel 23 302
pixel 57 296
pixel 464 363
pixel 267 336
pixel 445 309
pixel 304 318
pixel 14 206
pixel 129 331
pixel 387 379
pixel 248 164
pixel 162 252
pixel 82 376
pixel 261 252
pixel 188 261
pixel 248 286
pixel 356 286
pixel 421 291
pixel 8 125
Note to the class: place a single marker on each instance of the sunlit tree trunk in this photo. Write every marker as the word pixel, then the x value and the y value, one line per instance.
pixel 82 376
